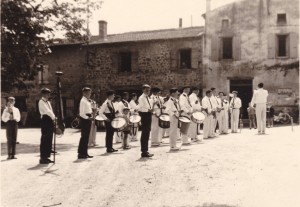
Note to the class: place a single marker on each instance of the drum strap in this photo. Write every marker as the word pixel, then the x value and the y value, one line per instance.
pixel 111 108
pixel 125 103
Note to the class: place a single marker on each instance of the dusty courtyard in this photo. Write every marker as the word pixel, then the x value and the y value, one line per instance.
pixel 235 170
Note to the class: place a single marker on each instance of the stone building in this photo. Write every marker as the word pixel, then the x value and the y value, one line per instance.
pixel 253 41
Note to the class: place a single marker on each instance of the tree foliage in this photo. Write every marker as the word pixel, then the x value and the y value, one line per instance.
pixel 28 27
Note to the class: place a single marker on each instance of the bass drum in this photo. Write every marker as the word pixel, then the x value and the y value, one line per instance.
pixel 184 124
pixel 164 121
pixel 119 123
pixel 135 119
pixel 198 117
pixel 99 121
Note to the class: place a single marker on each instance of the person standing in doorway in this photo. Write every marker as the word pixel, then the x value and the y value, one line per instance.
pixel 259 101
pixel 251 116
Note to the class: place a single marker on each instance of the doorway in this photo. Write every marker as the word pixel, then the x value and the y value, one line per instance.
pixel 244 87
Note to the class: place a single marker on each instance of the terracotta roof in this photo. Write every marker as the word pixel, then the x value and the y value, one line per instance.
pixel 150 35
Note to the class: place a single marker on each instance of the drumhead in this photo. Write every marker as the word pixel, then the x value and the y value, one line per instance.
pixel 118 122
pixel 99 118
pixel 184 119
pixel 164 117
pixel 134 118
pixel 199 116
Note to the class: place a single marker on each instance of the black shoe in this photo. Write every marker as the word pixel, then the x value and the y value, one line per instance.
pixel 89 156
pixel 50 161
pixel 44 161
pixel 82 157
pixel 9 157
pixel 111 150
pixel 13 157
pixel 146 154
pixel 17 142
pixel 52 151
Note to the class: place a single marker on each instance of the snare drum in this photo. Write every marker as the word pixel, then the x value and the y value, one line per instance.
pixel 164 121
pixel 99 121
pixel 184 124
pixel 135 120
pixel 198 117
pixel 119 123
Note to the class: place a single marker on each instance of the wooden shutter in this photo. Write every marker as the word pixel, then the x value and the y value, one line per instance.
pixel 215 42
pixel 271 46
pixel 134 61
pixel 115 61
pixel 236 48
pixel 174 60
pixel 293 45
pixel 195 57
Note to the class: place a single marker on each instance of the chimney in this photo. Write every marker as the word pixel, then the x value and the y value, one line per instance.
pixel 102 29
pixel 180 22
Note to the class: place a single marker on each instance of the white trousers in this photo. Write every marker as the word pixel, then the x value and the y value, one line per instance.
pixel 156 131
pixel 193 130
pixel 174 131
pixel 208 125
pixel 223 121
pixel 261 113
pixel 92 136
pixel 235 120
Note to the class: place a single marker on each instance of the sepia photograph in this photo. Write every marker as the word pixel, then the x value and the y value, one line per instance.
pixel 150 103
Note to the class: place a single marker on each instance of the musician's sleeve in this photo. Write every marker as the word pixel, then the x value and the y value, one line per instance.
pixel 5 115
pixel 253 101
pixel 102 110
pixel 17 116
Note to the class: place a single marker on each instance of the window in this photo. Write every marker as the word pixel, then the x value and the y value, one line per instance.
pixel 43 74
pixel 227 47
pixel 185 58
pixel 282 45
pixel 125 62
pixel 281 18
pixel 225 24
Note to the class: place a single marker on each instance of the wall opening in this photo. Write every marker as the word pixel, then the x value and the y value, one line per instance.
pixel 125 62
pixel 282 45
pixel 227 48
pixel 281 18
pixel 185 58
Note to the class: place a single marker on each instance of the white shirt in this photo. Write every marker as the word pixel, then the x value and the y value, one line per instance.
pixel 85 107
pixel 184 103
pixel 171 108
pixel 6 116
pixel 207 104
pixel 45 108
pixel 133 105
pixel 194 100
pixel 122 104
pixel 216 101
pixel 145 103
pixel 235 103
pixel 225 105
pixel 108 107
pixel 259 97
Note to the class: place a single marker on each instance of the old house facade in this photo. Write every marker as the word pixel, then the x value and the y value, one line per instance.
pixel 248 42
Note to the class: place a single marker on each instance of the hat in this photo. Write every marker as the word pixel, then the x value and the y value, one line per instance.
pixel 11 98
pixel 86 89
pixel 235 92
pixel 207 92
pixel 155 90
pixel 109 92
pixel 212 89
pixel 173 90
pixel 146 86
pixel 125 108
pixel 45 90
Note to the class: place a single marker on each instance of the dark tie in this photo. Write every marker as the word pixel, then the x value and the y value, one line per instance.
pixel 147 97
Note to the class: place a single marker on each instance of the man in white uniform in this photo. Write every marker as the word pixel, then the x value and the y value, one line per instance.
pixel 216 102
pixel 223 114
pixel 196 105
pixel 208 122
pixel 156 131
pixel 186 109
pixel 235 105
pixel 259 100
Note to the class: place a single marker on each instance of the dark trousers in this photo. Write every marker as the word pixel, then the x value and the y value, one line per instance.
pixel 11 135
pixel 109 132
pixel 146 118
pixel 47 137
pixel 85 133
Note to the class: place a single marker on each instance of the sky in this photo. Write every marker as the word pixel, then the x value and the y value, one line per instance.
pixel 142 15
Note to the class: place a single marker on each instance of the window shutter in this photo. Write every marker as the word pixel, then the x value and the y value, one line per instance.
pixel 134 61
pixel 195 58
pixel 293 45
pixel 115 61
pixel 236 47
pixel 271 46
pixel 215 48
pixel 174 60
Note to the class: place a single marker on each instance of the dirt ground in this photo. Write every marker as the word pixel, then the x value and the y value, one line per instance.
pixel 235 170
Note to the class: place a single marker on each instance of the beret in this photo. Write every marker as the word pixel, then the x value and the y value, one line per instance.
pixel 45 90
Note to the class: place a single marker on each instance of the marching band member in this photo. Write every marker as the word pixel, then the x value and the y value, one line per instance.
pixel 173 109
pixel 145 108
pixel 216 102
pixel 108 112
pixel 186 108
pixel 125 114
pixel 93 130
pixel 47 125
pixel 121 105
pixel 259 99
pixel 235 105
pixel 85 113
pixel 11 115
pixel 208 123
pixel 117 135
pixel 156 131
pixel 163 107
pixel 223 114
pixel 196 105
pixel 165 132
pixel 134 109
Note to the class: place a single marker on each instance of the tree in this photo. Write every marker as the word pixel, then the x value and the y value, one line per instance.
pixel 28 27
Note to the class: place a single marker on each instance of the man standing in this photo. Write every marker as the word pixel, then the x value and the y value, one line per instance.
pixel 259 100
pixel 11 115
pixel 194 100
pixel 145 108
pixel 108 112
pixel 223 114
pixel 216 102
pixel 186 109
pixel 47 124
pixel 85 113
pixel 235 105
pixel 156 131
pixel 208 122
